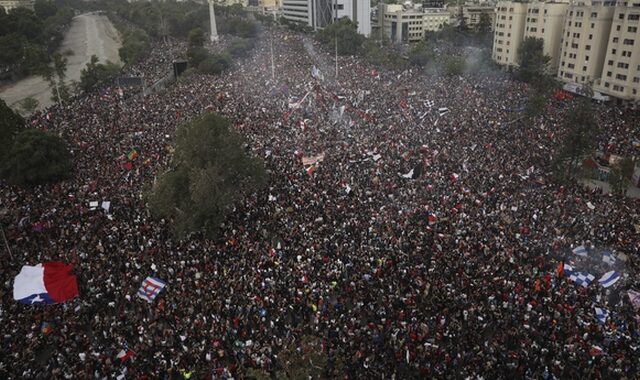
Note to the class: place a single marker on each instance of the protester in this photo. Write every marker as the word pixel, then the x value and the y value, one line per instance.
pixel 449 272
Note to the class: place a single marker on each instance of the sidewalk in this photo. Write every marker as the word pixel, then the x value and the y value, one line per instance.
pixel 632 191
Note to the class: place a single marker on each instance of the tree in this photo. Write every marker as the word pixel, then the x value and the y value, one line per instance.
pixel 36 157
pixel 580 140
pixel 196 38
pixel 620 177
pixel 454 65
pixel 134 44
pixel 44 9
pixel 212 170
pixel 421 54
pixel 346 32
pixel 29 105
pixel 95 73
pixel 215 64
pixel 533 62
pixel 484 24
pixel 11 124
pixel 462 20
pixel 240 48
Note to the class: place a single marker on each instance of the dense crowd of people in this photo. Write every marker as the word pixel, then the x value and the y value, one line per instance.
pixel 425 245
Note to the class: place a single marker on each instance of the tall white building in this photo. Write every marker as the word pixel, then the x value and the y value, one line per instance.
pixel 320 13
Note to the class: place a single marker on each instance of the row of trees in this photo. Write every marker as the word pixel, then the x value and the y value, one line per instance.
pixel 28 38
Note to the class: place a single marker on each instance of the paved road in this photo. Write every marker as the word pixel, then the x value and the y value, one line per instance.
pixel 89 34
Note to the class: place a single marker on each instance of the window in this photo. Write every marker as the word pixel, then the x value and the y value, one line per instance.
pixel 618 28
pixel 615 40
pixel 621 16
pixel 618 88
pixel 622 65
pixel 571 66
pixel 632 29
pixel 613 51
pixel 586 58
pixel 606 84
pixel 594 14
pixel 636 80
pixel 621 77
pixel 593 25
pixel 628 41
pixel 634 17
pixel 590 36
pixel 609 73
pixel 610 63
pixel 584 68
pixel 587 47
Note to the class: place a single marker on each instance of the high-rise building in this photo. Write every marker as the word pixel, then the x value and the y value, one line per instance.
pixel 320 13
pixel 545 20
pixel 508 31
pixel 592 43
pixel 409 23
pixel 621 72
pixel 584 41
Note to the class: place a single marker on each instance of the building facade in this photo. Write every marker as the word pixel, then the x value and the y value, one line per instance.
pixel 320 13
pixel 592 43
pixel 404 23
pixel 584 42
pixel 508 32
pixel 621 70
pixel 545 20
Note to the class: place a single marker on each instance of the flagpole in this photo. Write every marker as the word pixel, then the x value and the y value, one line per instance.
pixel 273 69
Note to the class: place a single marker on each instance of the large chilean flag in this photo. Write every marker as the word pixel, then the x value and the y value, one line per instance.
pixel 45 283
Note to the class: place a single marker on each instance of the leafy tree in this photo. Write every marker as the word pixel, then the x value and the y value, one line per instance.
pixel 620 177
pixel 346 32
pixel 29 105
pixel 241 48
pixel 95 73
pixel 197 55
pixel 196 38
pixel 462 20
pixel 484 24
pixel 454 65
pixel 11 124
pixel 533 63
pixel 421 54
pixel 44 9
pixel 36 157
pixel 212 171
pixel 215 64
pixel 134 44
pixel 580 140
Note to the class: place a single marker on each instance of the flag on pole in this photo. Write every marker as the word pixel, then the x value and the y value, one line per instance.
pixel 46 283
pixel 580 251
pixel 150 288
pixel 609 279
pixel 133 154
pixel 608 258
pixel 581 278
pixel 601 315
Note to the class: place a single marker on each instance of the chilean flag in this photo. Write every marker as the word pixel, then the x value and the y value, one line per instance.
pixel 46 283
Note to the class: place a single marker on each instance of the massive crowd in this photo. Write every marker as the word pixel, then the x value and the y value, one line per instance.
pixel 446 273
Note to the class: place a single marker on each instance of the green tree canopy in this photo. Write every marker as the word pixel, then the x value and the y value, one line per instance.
pixel 10 124
pixel 421 54
pixel 95 73
pixel 533 63
pixel 196 38
pixel 212 171
pixel 346 31
pixel 215 64
pixel 582 129
pixel 36 157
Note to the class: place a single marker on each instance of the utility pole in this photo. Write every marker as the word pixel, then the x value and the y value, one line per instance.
pixel 273 68
pixel 6 244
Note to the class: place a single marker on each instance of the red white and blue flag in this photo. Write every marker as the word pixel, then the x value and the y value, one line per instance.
pixel 150 288
pixel 46 283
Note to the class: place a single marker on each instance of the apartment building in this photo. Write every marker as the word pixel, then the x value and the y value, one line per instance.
pixel 584 41
pixel 621 72
pixel 508 31
pixel 545 20
pixel 472 14
pixel 404 23
pixel 11 4
pixel 320 13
